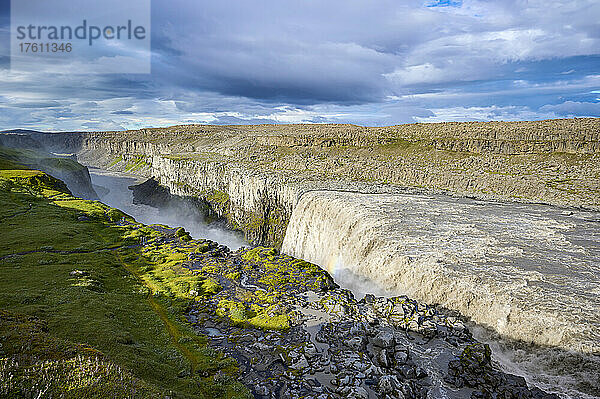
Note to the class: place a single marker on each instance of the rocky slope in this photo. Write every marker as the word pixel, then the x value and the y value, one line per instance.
pixel 323 343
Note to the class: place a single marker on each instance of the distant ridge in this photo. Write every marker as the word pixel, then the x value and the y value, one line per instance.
pixel 20 131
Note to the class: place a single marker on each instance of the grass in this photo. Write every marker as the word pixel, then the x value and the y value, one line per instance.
pixel 253 316
pixel 138 162
pixel 85 312
pixel 53 367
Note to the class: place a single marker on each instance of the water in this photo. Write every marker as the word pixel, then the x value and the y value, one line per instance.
pixel 112 187
pixel 529 272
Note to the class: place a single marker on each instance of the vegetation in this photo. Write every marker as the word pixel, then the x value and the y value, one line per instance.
pixel 266 318
pixel 85 311
pixel 13 158
pixel 136 163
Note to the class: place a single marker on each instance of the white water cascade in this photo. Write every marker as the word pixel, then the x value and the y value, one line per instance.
pixel 529 272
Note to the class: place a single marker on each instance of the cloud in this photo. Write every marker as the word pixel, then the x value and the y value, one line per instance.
pixel 444 3
pixel 387 62
pixel 36 104
pixel 574 108
pixel 493 113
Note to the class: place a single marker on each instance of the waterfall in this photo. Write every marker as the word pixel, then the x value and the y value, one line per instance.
pixel 530 272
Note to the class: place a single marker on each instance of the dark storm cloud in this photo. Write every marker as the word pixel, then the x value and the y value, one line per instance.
pixel 373 63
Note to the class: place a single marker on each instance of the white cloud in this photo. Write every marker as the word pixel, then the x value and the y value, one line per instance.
pixel 574 108
pixel 493 113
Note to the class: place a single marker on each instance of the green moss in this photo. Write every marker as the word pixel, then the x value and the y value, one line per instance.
pixel 266 322
pixel 33 182
pixel 134 234
pixel 285 271
pixel 210 287
pixel 58 367
pixel 217 197
pixel 255 316
pixel 235 276
pixel 115 161
pixel 126 309
pixel 235 311
pixel 137 163
pixel 203 248
pixel 184 235
pixel 94 209
pixel 260 254
pixel 253 223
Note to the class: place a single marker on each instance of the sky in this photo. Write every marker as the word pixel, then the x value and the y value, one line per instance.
pixel 367 62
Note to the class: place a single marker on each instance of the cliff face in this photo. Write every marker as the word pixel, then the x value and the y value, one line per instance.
pixel 259 204
pixel 254 175
pixel 32 156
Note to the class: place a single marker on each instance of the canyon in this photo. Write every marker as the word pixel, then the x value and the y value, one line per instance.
pixel 495 220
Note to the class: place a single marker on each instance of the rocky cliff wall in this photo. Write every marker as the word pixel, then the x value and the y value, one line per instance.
pixel 253 175
pixel 259 204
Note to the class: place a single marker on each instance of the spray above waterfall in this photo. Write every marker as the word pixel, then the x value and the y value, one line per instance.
pixel 113 190
pixel 347 278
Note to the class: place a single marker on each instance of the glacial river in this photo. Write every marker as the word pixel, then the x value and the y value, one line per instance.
pixel 113 190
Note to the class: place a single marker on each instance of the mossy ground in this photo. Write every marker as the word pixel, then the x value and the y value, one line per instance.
pixel 138 162
pixel 85 311
pixel 275 280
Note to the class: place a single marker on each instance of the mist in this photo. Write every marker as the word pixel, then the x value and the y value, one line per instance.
pixel 113 190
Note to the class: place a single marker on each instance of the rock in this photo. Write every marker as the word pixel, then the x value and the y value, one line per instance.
pixel 358 393
pixel 384 339
pixel 476 355
pixel 300 364
pixel 356 343
pixel 383 358
pixel 388 384
pixel 310 350
pixel 401 357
